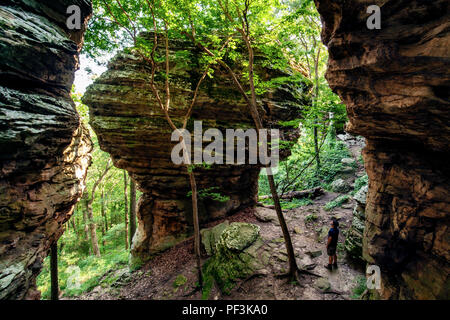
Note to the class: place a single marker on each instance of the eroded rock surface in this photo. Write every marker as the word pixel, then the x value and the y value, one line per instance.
pixel 132 128
pixel 354 238
pixel 238 255
pixel 395 83
pixel 45 149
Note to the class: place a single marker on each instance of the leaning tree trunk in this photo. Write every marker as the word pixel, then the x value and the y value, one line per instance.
pixel 253 106
pixel 287 237
pixel 132 209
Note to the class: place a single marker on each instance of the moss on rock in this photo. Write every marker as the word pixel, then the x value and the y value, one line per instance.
pixel 236 257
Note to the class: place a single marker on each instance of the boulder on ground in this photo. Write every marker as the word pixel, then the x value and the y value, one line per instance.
pixel 348 161
pixel 340 185
pixel 237 256
pixel 210 237
pixel 265 214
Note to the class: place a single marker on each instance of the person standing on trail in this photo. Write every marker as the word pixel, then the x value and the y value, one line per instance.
pixel 332 241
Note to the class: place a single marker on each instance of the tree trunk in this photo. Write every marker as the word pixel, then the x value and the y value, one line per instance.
pixel 253 106
pixel 72 221
pixel 104 227
pixel 125 185
pixel 132 210
pixel 316 96
pixel 54 271
pixel 89 201
pixel 316 148
pixel 86 224
pixel 105 217
pixel 196 227
pixel 195 219
pixel 92 229
pixel 287 237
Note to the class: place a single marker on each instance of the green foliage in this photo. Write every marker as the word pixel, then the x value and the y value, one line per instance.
pixel 311 218
pixel 209 193
pixel 179 281
pixel 93 271
pixel 332 153
pixel 114 238
pixel 337 202
pixel 361 159
pixel 341 247
pixel 295 203
pixel 360 287
pixel 208 283
pixel 360 182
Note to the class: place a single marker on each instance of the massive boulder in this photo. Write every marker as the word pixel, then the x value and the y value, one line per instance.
pixel 45 148
pixel 132 128
pixel 395 83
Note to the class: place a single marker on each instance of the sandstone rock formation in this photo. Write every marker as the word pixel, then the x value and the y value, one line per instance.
pixel 395 83
pixel 45 148
pixel 354 236
pixel 132 128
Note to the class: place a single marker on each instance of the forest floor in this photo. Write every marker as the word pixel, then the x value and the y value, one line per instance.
pixel 173 275
pixel 158 278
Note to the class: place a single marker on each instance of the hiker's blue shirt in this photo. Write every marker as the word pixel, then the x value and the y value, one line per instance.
pixel 334 234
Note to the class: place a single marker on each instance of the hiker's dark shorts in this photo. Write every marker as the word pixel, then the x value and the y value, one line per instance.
pixel 331 251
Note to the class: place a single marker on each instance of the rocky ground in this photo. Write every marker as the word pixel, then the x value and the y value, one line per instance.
pixel 172 274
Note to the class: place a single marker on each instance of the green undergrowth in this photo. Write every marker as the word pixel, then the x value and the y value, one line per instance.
pixel 359 288
pixel 337 202
pixel 79 273
pixel 311 218
pixel 307 177
pixel 291 204
pixel 360 182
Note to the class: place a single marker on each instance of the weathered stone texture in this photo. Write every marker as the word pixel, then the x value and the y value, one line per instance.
pixel 131 127
pixel 395 83
pixel 45 148
pixel 354 237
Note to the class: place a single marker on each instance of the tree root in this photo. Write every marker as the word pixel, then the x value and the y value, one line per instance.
pixel 332 292
pixel 249 278
pixel 296 275
pixel 190 293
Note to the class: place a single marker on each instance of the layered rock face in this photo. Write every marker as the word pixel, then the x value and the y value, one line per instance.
pixel 395 83
pixel 354 237
pixel 132 128
pixel 45 149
